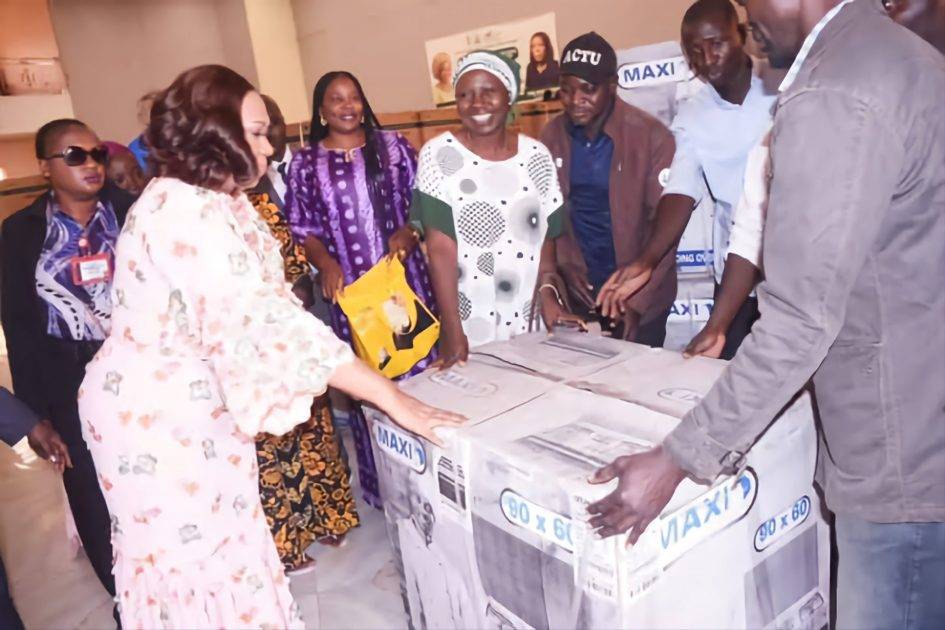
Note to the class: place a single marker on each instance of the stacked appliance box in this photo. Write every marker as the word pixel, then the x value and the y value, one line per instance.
pixel 491 530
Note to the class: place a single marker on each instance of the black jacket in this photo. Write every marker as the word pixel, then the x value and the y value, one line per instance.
pixel 23 314
pixel 16 419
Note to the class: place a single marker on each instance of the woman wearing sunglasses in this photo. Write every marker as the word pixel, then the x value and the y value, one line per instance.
pixel 56 260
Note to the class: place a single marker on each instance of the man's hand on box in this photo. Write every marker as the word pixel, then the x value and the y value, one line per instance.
pixel 708 343
pixel 620 287
pixel 645 484
pixel 454 348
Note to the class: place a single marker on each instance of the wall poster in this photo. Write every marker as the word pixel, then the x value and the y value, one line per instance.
pixel 531 42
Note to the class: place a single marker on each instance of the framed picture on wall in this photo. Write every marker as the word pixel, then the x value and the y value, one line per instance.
pixel 532 42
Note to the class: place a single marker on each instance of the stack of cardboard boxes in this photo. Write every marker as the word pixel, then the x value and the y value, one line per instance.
pixel 491 531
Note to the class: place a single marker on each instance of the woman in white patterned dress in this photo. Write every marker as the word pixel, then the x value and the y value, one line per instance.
pixel 488 203
pixel 208 347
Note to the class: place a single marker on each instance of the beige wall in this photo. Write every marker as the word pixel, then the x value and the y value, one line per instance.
pixel 233 26
pixel 272 30
pixel 383 42
pixel 113 51
pixel 17 156
pixel 27 31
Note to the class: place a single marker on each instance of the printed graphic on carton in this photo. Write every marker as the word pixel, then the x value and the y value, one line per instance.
pixel 549 525
pixel 400 446
pixel 777 526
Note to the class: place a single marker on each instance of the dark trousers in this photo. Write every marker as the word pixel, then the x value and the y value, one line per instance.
pixel 651 333
pixel 741 325
pixel 9 618
pixel 81 482
pixel 90 513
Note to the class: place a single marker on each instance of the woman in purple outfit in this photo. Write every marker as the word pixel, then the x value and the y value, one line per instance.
pixel 347 201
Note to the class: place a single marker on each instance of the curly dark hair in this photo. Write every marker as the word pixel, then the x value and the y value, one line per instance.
pixel 196 130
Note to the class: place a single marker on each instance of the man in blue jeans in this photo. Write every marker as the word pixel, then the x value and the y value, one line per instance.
pixel 854 248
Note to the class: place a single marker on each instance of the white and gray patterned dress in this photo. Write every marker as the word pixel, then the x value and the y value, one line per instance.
pixel 499 214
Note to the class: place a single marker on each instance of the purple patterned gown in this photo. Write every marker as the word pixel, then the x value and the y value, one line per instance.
pixel 328 198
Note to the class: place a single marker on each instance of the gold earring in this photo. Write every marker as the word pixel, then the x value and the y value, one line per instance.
pixel 322 120
pixel 362 120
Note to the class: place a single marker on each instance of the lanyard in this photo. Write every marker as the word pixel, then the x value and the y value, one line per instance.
pixel 84 246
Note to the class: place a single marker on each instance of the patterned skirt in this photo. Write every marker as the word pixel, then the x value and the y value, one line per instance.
pixel 303 484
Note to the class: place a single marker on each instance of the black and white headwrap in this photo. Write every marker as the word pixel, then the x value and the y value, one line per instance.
pixel 501 67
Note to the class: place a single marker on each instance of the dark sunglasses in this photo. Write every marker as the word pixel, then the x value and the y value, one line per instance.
pixel 77 156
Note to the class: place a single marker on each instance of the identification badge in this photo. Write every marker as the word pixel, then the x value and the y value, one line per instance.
pixel 91 269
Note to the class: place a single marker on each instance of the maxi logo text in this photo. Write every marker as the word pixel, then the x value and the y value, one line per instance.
pixel 672 70
pixel 695 309
pixel 400 446
pixel 706 515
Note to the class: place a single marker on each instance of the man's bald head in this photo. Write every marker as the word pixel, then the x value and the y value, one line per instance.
pixel 703 10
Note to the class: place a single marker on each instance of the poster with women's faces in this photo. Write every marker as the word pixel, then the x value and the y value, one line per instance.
pixel 531 42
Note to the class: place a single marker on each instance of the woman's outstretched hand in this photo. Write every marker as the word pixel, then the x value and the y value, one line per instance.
pixel 420 418
pixel 361 382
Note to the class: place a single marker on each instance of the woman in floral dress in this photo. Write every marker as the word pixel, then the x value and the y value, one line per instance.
pixel 208 348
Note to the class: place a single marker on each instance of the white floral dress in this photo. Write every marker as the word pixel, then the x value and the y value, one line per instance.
pixel 499 213
pixel 208 348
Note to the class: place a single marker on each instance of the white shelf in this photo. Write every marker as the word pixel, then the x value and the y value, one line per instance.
pixel 26 113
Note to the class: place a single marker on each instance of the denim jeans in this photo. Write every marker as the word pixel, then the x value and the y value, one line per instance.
pixel 890 575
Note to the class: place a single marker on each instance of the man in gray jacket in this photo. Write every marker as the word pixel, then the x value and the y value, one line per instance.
pixel 852 299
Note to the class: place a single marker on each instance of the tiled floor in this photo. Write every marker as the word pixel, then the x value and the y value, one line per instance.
pixel 354 586
pixel 51 587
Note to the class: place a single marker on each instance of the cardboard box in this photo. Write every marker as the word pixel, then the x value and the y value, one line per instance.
pixel 492 529
pixel 691 309
pixel 31 76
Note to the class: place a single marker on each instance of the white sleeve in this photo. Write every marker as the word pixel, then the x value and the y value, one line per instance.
pixel 748 219
pixel 270 356
pixel 685 174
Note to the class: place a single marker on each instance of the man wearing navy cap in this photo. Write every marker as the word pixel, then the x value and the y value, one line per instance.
pixel 609 156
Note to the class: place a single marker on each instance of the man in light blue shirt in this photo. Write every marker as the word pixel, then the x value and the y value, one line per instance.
pixel 715 130
pixel 715 135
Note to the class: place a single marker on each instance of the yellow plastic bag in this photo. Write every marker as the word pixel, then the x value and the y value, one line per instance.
pixel 391 327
